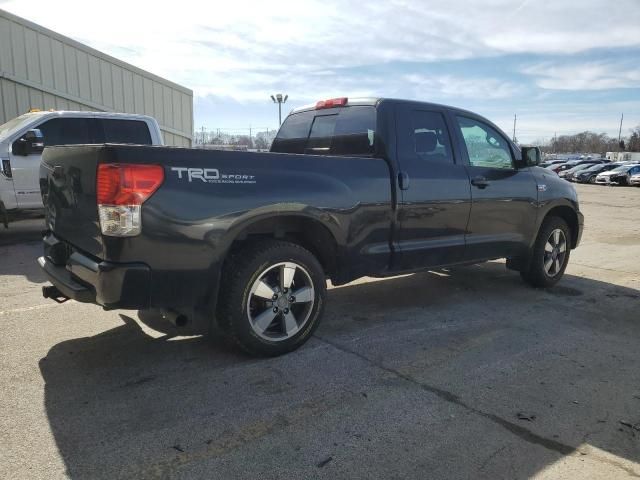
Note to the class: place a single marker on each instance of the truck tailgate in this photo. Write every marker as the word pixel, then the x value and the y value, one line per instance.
pixel 68 186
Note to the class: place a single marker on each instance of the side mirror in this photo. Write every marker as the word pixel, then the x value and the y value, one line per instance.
pixel 531 156
pixel 30 143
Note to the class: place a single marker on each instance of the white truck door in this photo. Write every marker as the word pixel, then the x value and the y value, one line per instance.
pixel 25 172
pixel 26 169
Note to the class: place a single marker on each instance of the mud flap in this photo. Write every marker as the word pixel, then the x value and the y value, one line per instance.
pixel 519 264
pixel 4 215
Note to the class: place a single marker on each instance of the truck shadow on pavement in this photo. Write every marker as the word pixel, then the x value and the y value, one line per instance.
pixel 24 230
pixel 21 260
pixel 463 373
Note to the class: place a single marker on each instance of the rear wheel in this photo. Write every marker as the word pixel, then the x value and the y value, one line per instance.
pixel 272 297
pixel 550 254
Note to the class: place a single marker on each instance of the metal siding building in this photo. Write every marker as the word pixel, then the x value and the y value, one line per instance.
pixel 42 69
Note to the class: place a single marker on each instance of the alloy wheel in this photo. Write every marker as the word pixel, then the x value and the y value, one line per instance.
pixel 555 252
pixel 280 301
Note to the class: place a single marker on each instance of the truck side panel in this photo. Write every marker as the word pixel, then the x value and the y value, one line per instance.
pixel 209 198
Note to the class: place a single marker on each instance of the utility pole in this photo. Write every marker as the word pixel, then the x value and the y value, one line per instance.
pixel 203 135
pixel 620 131
pixel 279 99
pixel 514 128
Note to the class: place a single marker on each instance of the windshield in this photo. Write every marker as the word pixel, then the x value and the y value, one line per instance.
pixel 623 168
pixel 12 125
pixel 598 167
pixel 580 167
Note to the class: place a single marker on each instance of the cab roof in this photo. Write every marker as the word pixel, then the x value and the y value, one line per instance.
pixel 374 101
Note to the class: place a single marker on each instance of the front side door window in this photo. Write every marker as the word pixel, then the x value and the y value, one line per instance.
pixel 486 147
pixel 66 131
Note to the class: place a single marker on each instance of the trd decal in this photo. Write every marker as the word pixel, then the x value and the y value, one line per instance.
pixel 211 175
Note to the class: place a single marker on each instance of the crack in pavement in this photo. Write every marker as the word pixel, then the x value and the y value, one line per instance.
pixel 519 431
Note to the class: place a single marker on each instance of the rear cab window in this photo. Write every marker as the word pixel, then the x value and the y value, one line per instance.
pixel 125 131
pixel 348 131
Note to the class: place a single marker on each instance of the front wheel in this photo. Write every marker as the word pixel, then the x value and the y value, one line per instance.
pixel 272 297
pixel 550 254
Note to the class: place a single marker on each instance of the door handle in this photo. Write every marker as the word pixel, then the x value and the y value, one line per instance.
pixel 480 182
pixel 403 180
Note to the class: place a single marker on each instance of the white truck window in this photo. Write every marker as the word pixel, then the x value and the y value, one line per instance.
pixel 66 131
pixel 126 131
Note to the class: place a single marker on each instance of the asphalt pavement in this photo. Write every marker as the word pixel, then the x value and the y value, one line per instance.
pixel 459 373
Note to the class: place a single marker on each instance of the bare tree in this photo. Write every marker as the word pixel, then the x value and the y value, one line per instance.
pixel 633 144
pixel 583 142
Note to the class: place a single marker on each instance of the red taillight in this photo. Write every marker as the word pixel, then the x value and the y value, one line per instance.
pixel 332 102
pixel 127 184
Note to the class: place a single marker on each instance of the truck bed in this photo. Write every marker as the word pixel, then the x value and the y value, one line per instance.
pixel 206 200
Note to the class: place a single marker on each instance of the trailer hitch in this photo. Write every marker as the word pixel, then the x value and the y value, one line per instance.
pixel 54 294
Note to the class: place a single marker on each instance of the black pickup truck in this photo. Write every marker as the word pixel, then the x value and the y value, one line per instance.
pixel 351 187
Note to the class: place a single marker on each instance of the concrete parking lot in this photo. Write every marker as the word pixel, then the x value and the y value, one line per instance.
pixel 466 373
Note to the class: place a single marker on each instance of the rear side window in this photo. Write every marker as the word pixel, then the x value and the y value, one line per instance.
pixel 430 137
pixel 341 131
pixel 66 131
pixel 125 131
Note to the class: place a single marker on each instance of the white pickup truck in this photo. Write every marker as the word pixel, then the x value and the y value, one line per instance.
pixel 23 139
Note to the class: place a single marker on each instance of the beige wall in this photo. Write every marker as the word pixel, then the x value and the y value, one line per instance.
pixel 42 69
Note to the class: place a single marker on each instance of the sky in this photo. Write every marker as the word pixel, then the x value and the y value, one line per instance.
pixel 562 66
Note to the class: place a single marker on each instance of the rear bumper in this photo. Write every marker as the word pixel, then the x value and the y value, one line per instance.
pixel 111 285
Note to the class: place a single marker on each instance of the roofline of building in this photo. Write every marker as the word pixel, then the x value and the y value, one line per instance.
pixel 92 51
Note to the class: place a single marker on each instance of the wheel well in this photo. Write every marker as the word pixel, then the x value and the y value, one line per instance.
pixel 306 232
pixel 569 215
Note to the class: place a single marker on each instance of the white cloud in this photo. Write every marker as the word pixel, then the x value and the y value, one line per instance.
pixel 449 86
pixel 597 75
pixel 234 54
pixel 240 48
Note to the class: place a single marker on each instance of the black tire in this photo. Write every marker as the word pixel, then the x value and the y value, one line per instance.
pixel 241 271
pixel 592 179
pixel 537 274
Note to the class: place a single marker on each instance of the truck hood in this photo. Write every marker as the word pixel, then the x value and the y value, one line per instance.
pixel 7 130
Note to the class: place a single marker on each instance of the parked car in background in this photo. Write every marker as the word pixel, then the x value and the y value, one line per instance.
pixel 21 145
pixel 573 163
pixel 619 176
pixel 569 173
pixel 635 180
pixel 589 174
pixel 548 163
